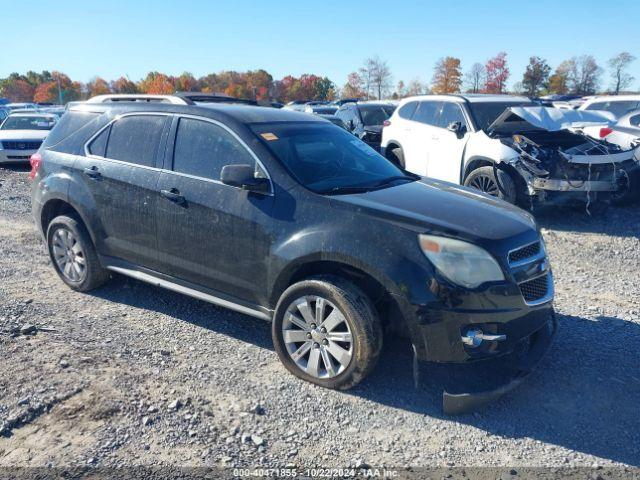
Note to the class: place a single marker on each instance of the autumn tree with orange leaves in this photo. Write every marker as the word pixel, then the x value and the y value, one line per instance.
pixel 156 83
pixel 17 89
pixel 98 86
pixel 123 85
pixel 59 88
pixel 447 76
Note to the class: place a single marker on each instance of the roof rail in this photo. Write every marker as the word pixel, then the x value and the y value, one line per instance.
pixel 139 97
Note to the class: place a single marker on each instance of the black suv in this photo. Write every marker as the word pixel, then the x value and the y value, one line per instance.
pixel 286 217
pixel 366 119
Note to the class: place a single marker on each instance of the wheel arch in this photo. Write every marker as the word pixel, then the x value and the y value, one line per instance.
pixel 391 145
pixel 473 164
pixel 386 306
pixel 56 207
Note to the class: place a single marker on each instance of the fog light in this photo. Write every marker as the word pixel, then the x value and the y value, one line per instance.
pixel 474 337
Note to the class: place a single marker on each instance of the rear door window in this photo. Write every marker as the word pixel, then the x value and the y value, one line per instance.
pixel 203 148
pixel 136 138
pixel 426 112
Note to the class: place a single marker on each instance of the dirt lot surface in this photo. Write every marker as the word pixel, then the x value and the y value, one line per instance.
pixel 131 374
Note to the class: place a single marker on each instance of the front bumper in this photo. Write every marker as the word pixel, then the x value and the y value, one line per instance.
pixel 559 185
pixel 11 156
pixel 515 369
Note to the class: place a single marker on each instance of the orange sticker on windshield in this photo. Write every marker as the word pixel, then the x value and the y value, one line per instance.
pixel 269 136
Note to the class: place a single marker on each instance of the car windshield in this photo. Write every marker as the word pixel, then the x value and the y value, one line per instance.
pixel 28 123
pixel 485 113
pixel 327 159
pixel 375 114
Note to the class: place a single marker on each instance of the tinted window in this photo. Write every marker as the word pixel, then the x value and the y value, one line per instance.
pixel 375 114
pixel 635 120
pixel 70 123
pixel 450 113
pixel 426 112
pixel 135 139
pixel 323 158
pixel 407 110
pixel 99 144
pixel 485 113
pixel 618 108
pixel 202 149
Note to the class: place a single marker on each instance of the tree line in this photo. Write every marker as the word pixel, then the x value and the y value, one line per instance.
pixel 57 87
pixel 579 75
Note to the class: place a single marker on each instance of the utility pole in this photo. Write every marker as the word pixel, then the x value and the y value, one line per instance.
pixel 59 91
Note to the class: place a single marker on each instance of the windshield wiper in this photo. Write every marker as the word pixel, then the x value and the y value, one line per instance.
pixel 387 181
pixel 366 188
pixel 345 189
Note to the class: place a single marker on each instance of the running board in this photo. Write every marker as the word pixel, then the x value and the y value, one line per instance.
pixel 145 277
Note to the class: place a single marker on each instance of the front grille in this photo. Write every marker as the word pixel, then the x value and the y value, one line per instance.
pixel 20 145
pixel 525 252
pixel 533 290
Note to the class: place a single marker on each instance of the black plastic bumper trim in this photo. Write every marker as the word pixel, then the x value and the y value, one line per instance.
pixel 457 404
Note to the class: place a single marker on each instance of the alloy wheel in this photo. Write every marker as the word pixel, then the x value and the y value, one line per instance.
pixel 69 255
pixel 317 337
pixel 485 184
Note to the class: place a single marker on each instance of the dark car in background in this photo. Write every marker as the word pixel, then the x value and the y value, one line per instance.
pixel 365 120
pixel 282 216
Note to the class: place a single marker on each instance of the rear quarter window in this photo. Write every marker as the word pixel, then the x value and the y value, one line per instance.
pixel 70 123
pixel 407 110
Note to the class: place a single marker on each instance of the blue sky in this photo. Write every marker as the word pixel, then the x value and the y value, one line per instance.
pixel 330 37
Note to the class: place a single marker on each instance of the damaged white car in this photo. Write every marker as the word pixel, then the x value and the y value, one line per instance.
pixel 508 147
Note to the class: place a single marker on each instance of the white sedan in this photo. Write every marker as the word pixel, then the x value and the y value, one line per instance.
pixel 21 135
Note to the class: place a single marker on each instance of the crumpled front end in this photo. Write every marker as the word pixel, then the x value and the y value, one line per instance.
pixel 573 164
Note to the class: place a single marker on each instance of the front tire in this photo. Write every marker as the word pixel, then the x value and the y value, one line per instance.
pixel 494 182
pixel 326 331
pixel 73 255
pixel 629 187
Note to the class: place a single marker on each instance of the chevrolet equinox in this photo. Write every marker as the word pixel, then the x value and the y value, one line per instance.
pixel 286 217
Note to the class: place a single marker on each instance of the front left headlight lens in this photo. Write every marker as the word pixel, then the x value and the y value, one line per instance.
pixel 463 263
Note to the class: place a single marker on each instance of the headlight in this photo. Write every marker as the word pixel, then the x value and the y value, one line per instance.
pixel 463 263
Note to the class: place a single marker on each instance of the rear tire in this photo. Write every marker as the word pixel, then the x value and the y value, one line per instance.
pixel 501 186
pixel 348 349
pixel 73 254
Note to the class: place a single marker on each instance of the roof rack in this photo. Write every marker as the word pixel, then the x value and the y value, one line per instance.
pixel 139 97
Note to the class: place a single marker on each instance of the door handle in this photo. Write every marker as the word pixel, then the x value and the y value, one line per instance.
pixel 92 172
pixel 435 138
pixel 173 195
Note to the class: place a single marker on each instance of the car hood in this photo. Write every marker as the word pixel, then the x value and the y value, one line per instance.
pixel 23 134
pixel 546 118
pixel 436 206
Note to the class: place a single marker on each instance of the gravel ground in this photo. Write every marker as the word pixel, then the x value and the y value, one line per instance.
pixel 134 375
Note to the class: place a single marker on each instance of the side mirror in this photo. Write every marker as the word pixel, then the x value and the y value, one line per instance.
pixel 243 176
pixel 351 125
pixel 457 128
